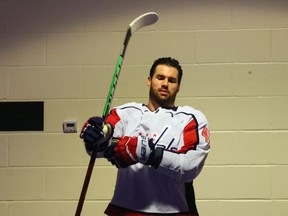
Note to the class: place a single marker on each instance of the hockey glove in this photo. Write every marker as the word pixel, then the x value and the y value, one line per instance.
pixel 127 151
pixel 96 134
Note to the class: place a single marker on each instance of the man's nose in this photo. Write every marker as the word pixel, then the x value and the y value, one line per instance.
pixel 165 83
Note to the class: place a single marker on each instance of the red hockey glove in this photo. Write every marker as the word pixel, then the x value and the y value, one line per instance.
pixel 96 134
pixel 127 151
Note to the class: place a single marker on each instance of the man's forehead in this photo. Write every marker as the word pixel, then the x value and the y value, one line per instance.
pixel 166 71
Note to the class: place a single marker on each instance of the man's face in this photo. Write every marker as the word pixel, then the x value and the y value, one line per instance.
pixel 164 85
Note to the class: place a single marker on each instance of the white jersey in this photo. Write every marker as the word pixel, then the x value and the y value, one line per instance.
pixel 183 134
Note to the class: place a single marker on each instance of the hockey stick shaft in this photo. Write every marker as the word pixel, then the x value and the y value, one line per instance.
pixel 116 75
pixel 104 115
pixel 141 21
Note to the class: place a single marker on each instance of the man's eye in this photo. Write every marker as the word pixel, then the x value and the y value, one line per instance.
pixel 172 80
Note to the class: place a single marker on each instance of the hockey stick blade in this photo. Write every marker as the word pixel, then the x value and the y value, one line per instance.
pixel 141 21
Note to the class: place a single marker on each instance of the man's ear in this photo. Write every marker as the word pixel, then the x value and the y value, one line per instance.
pixel 149 81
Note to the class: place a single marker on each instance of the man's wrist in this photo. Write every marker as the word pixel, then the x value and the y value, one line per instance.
pixel 155 157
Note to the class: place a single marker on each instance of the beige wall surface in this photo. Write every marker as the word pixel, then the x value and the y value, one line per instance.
pixel 235 59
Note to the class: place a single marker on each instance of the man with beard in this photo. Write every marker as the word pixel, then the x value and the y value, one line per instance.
pixel 158 148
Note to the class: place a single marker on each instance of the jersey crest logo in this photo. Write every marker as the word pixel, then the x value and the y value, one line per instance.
pixel 206 135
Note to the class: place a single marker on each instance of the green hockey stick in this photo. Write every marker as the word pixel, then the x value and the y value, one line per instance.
pixel 141 21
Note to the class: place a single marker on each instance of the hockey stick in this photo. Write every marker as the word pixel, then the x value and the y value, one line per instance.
pixel 141 21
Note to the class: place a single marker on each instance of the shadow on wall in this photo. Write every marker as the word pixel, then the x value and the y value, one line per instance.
pixel 34 17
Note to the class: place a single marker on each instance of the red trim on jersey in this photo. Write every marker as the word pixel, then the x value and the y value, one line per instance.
pixel 190 137
pixel 113 210
pixel 113 118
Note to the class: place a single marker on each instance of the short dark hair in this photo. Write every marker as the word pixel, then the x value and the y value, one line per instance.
pixel 169 62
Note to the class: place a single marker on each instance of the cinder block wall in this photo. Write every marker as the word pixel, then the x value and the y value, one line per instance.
pixel 235 60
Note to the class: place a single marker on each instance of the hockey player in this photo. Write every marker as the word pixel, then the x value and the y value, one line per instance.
pixel 158 148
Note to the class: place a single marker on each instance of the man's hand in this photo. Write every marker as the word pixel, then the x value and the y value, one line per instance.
pixel 96 134
pixel 127 151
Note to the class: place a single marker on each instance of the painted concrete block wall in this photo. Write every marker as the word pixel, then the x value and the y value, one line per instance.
pixel 235 60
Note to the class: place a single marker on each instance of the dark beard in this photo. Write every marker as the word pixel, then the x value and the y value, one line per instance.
pixel 163 102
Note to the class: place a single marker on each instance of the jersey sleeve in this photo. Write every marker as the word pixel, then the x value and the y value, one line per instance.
pixel 114 119
pixel 125 118
pixel 187 162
